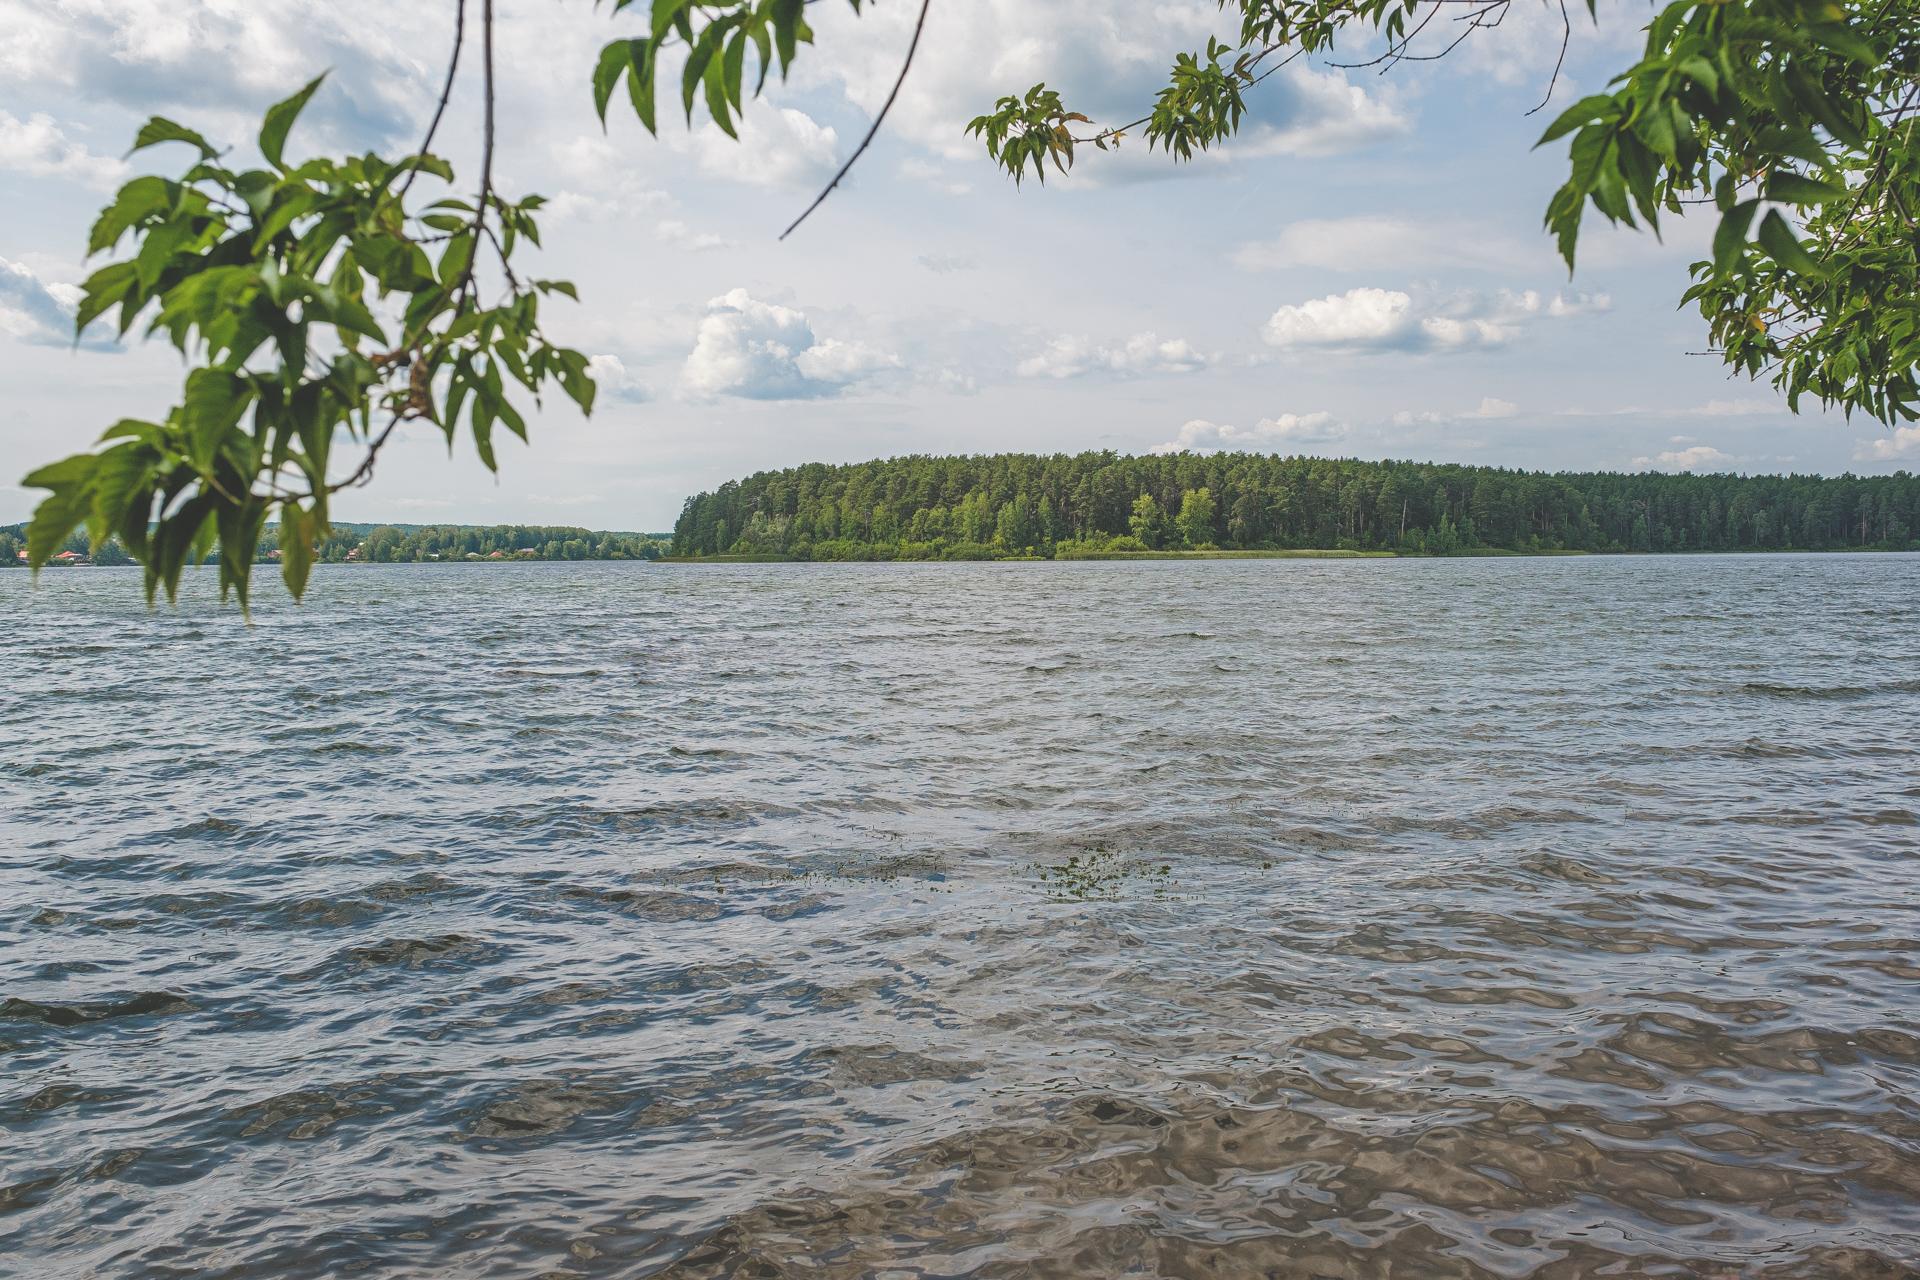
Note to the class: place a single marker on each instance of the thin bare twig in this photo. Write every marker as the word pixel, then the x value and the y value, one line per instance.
pixel 907 64
pixel 1566 38
pixel 446 92
pixel 364 472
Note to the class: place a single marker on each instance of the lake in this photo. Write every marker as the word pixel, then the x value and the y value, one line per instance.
pixel 1292 918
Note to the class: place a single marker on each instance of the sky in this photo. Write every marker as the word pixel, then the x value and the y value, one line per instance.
pixel 1362 273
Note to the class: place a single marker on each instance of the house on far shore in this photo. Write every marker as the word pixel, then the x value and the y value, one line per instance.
pixel 21 556
pixel 68 558
pixel 274 554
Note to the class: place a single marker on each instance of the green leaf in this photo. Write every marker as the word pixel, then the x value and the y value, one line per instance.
pixel 1582 112
pixel 280 118
pixel 733 68
pixel 615 60
pixel 138 200
pixel 122 474
pixel 159 129
pixel 1777 238
pixel 1731 235
pixel 297 536
pixel 640 89
pixel 62 511
pixel 715 81
pixel 694 73
pixel 1792 188
pixel 214 402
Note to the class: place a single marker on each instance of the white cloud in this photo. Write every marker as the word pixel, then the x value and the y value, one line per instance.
pixel 1489 407
pixel 835 363
pixel 1107 62
pixel 1373 320
pixel 1268 434
pixel 764 351
pixel 675 232
pixel 777 147
pixel 1143 353
pixel 216 65
pixel 600 183
pixel 1698 457
pixel 1326 114
pixel 1738 408
pixel 41 314
pixel 36 146
pixel 1373 242
pixel 615 382
pixel 934 176
pixel 955 382
pixel 945 263
pixel 1902 442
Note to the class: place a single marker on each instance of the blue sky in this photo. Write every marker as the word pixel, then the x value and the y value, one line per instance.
pixel 1361 274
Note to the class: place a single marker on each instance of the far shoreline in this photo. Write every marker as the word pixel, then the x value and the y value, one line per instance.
pixel 1488 553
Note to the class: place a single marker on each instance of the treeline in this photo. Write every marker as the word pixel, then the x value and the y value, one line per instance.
pixel 1063 505
pixel 389 544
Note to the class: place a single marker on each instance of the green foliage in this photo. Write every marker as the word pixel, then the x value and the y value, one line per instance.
pixel 401 544
pixel 311 303
pixel 1197 520
pixel 922 508
pixel 1148 523
pixel 732 46
pixel 1793 121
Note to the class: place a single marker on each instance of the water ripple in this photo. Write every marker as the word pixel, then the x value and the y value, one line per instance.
pixel 1366 919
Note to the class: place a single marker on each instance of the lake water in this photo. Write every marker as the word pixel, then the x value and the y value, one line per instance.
pixel 1486 918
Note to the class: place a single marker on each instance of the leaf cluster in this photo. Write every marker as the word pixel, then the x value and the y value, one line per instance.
pixel 1792 121
pixel 726 41
pixel 311 305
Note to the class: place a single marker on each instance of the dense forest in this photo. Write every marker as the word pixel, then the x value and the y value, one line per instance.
pixel 390 543
pixel 1001 505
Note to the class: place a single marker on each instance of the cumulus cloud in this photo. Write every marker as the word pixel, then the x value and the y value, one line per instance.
pixel 763 351
pixel 1289 430
pixel 41 314
pixel 599 183
pixel 1375 320
pixel 37 147
pixel 675 232
pixel 615 382
pixel 1699 457
pixel 231 60
pixel 1324 114
pixel 1143 353
pixel 1107 63
pixel 1902 442
pixel 777 147
pixel 1489 407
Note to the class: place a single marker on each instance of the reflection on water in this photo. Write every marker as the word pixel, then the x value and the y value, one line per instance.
pixel 1273 918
